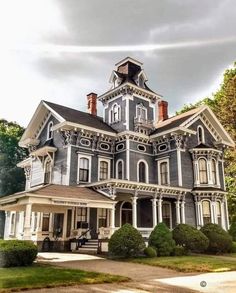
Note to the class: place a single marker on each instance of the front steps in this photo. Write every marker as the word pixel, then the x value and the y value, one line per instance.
pixel 90 247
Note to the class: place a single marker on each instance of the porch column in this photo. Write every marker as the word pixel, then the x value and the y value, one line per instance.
pixel 27 232
pixel 134 211
pixel 183 211
pixel 154 211
pixel 73 219
pixel 160 210
pixel 38 221
pixel 177 205
pixel 227 212
pixel 112 219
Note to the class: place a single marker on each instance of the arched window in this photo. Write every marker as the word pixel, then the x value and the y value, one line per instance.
pixel 164 173
pixel 141 112
pixel 218 213
pixel 49 130
pixel 120 169
pixel 142 172
pixel 115 113
pixel 202 171
pixel 206 212
pixel 83 170
pixel 200 134
pixel 213 172
pixel 126 213
pixel 103 172
pixel 47 171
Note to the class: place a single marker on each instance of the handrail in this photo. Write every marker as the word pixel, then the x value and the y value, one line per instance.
pixel 84 233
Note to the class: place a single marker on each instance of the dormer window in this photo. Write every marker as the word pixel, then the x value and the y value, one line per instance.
pixel 49 130
pixel 200 134
pixel 115 113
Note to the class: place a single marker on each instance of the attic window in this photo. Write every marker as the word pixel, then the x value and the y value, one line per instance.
pixel 200 134
pixel 49 130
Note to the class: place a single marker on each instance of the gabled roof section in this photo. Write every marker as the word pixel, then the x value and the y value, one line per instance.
pixel 185 120
pixel 76 116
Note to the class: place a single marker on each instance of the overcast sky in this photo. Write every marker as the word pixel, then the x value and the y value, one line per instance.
pixel 60 50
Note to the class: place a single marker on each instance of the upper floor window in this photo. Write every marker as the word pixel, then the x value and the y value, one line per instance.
pixel 103 172
pixel 47 171
pixel 213 172
pixel 200 134
pixel 141 112
pixel 115 113
pixel 49 130
pixel 206 211
pixel 83 170
pixel 120 169
pixel 163 172
pixel 142 172
pixel 202 165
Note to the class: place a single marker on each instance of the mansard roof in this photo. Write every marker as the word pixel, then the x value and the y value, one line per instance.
pixel 76 116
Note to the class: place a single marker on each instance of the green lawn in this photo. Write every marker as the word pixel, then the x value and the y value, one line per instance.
pixel 193 263
pixel 45 276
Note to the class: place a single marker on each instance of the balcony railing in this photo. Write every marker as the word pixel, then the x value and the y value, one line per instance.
pixel 139 121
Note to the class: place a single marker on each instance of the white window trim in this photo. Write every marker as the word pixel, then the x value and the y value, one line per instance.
pixel 211 211
pixel 141 106
pixel 110 114
pixel 198 169
pixel 169 203
pixel 121 207
pixel 123 169
pixel 146 173
pixel 50 125
pixel 80 156
pixel 109 167
pixel 159 170
pixel 203 134
pixel 209 172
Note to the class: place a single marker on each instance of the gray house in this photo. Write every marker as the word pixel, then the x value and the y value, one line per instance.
pixel 87 175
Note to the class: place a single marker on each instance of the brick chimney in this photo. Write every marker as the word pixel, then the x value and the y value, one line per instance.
pixel 162 111
pixel 92 103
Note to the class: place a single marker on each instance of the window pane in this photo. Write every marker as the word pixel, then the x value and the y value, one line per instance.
pixel 84 170
pixel 45 225
pixel 166 214
pixel 142 172
pixel 120 170
pixel 213 169
pixel 206 210
pixel 203 171
pixel 103 170
pixel 164 173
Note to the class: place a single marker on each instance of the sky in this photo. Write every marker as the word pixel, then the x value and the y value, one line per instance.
pixel 61 50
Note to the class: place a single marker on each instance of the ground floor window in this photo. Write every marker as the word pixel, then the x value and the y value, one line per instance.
pixel 45 223
pixel 206 212
pixel 82 217
pixel 126 213
pixel 166 214
pixel 102 218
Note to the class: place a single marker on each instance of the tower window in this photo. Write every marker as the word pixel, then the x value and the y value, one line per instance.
pixel 142 172
pixel 141 112
pixel 49 130
pixel 200 134
pixel 115 113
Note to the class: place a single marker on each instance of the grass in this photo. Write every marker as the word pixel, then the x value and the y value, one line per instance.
pixel 45 276
pixel 193 263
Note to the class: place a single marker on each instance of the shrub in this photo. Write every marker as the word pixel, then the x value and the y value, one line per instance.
pixel 233 248
pixel 232 230
pixel 126 242
pixel 190 238
pixel 150 252
pixel 219 240
pixel 180 250
pixel 161 239
pixel 17 253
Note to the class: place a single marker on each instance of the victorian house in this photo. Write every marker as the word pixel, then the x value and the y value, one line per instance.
pixel 88 175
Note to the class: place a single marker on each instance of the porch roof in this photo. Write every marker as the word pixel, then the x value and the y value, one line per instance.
pixel 59 195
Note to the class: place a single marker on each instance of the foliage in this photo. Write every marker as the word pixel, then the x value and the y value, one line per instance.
pixel 190 263
pixel 190 237
pixel 233 248
pixel 219 240
pixel 12 178
pixel 15 253
pixel 180 251
pixel 46 276
pixel 223 104
pixel 150 251
pixel 126 242
pixel 232 230
pixel 161 239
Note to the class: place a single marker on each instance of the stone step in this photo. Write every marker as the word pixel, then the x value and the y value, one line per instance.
pixel 87 250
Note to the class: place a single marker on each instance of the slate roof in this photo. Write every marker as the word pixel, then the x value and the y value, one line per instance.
pixel 76 116
pixel 174 121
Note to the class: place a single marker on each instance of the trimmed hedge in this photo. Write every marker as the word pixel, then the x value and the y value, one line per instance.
pixel 180 250
pixel 150 252
pixel 161 239
pixel 126 242
pixel 15 253
pixel 219 240
pixel 232 230
pixel 190 238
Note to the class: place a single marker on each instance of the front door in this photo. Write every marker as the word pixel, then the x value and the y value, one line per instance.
pixel 58 225
pixel 93 223
pixel 126 213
